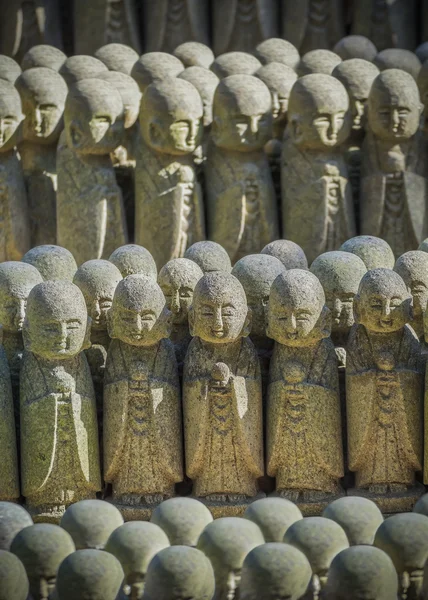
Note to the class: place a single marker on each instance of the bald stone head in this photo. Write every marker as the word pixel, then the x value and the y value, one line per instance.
pixel 235 63
pixel 89 574
pixel 133 259
pixel 9 69
pixel 210 256
pixel 358 517
pixel 242 112
pixel 205 82
pixel 413 268
pixel 277 50
pixel 79 67
pixel 398 58
pixel 357 75
pixel 90 523
pixel 177 280
pixel 194 54
pixel 373 251
pixel 355 46
pixel 182 519
pixel 154 67
pixel 257 272
pixel 43 55
pixel 13 578
pixel 318 61
pixel 52 262
pixel 11 114
pixel 289 253
pixel 279 78
pixel 13 518
pixel 17 279
pixel 318 112
pixel 361 572
pixel 129 92
pixel 274 516
pixel 274 571
pixel 117 57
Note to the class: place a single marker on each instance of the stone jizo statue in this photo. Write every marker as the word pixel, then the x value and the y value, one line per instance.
pixel 52 262
pixel 412 266
pixel 154 67
pixel 373 251
pixel 81 66
pixel 194 54
pixel 274 516
pixel 277 50
pixel 13 518
pixel 235 63
pixel 318 61
pixel 182 519
pixel 134 260
pixel 355 46
pixel 13 577
pixel 289 253
pixel 43 55
pixel 210 256
pixel 90 523
pixel 398 58
pixel 9 69
pixel 117 57
pixel 358 517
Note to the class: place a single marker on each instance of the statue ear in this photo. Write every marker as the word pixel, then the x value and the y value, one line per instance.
pixel 87 341
pixel 246 329
pixel 191 320
pixel 75 135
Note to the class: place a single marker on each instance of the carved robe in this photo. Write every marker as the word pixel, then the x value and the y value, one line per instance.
pixel 384 409
pixel 223 435
pixel 9 477
pixel 317 205
pixel 142 419
pixel 169 214
pixel 59 436
pixel 304 437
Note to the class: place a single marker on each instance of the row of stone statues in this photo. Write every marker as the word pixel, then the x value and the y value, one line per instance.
pixel 349 553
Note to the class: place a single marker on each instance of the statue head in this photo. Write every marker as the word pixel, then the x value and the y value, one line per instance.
pixel 373 251
pixel 205 82
pixel 235 63
pixel 318 112
pixel 398 58
pixel 179 572
pixel 296 313
pixel 134 545
pixel 129 92
pixel 9 69
pixel 79 67
pixel 274 516
pixel 43 93
pixel 359 518
pixel 182 519
pixel 171 117
pixel 97 280
pixel 273 571
pixel 52 262
pixel 413 269
pixel 289 253
pixel 10 113
pixel 94 117
pixel 279 79
pixel 357 75
pixel 242 112
pixel 13 578
pixel 132 259
pixel 257 272
pixel 210 256
pixel 177 280
pixel 139 316
pixel 277 50
pixel 219 313
pixel 340 274
pixel 318 61
pixel 117 57
pixel 355 46
pixel 41 548
pixel 194 54
pixel 361 573
pixel 89 574
pixel 56 325
pixel 13 518
pixel 154 67
pixel 90 523
pixel 16 282
pixel 383 303
pixel 404 538
pixel 394 107
pixel 226 542
pixel 43 55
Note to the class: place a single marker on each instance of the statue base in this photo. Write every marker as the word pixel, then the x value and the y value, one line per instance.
pixel 231 507
pixel 392 502
pixel 310 504
pixel 47 514
pixel 136 508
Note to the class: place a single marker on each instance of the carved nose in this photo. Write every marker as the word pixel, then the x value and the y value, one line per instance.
pixel 175 303
pixel 254 124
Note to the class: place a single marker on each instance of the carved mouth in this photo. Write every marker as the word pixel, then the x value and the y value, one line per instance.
pixel 386 322
pixel 219 333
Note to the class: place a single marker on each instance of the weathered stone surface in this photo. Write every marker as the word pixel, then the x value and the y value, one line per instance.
pixel 205 81
pixel 373 251
pixel 9 69
pixel 179 572
pixel 134 260
pixel 210 256
pixel 9 475
pixel 43 55
pixel 226 542
pixel 413 269
pixel 235 63
pixel 13 578
pixel 398 58
pixel 13 518
pixel 80 67
pixel 182 519
pixel 279 78
pixel 154 67
pixel 274 516
pixel 358 517
pixel 318 61
pixel 277 50
pixel 117 57
pixel 90 523
pixel 194 54
pixel 52 262
pixel 289 253
pixel 41 548
pixel 355 46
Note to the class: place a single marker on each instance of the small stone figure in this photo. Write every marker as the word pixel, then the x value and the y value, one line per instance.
pixel 134 260
pixel 41 548
pixel 304 441
pixel 179 572
pixel 59 435
pixel 243 24
pixel 168 23
pixel 43 93
pixel 141 397
pixel 398 58
pixel 169 207
pixel 134 545
pixel 318 61
pixel 89 574
pixel 240 196
pixel 373 251
pixel 278 51
pixel 226 542
pixel 235 63
pixel 274 571
pixel 9 69
pixel 43 55
pixel 210 256
pixel 90 212
pixel 320 540
pixel 117 57
pixel 355 46
pixel 52 262
pixel 177 280
pixel 358 517
pixel 361 572
pixel 14 218
pixel 290 254
pixel 317 206
pixel 182 519
pixel 13 578
pixel 80 67
pixel 13 518
pixel 154 67
pixel 222 396
pixel 384 392
pixel 404 538
pixel 274 516
pixel 194 54
pixel 413 269
pixel 90 523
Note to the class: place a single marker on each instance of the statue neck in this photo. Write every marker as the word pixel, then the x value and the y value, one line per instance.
pixel 100 337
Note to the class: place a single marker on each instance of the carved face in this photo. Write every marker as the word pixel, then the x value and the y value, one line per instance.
pixel 395 119
pixel 10 116
pixel 239 131
pixel 176 136
pixel 13 304
pixel 42 587
pixel 178 295
pixel 279 107
pixel 42 119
